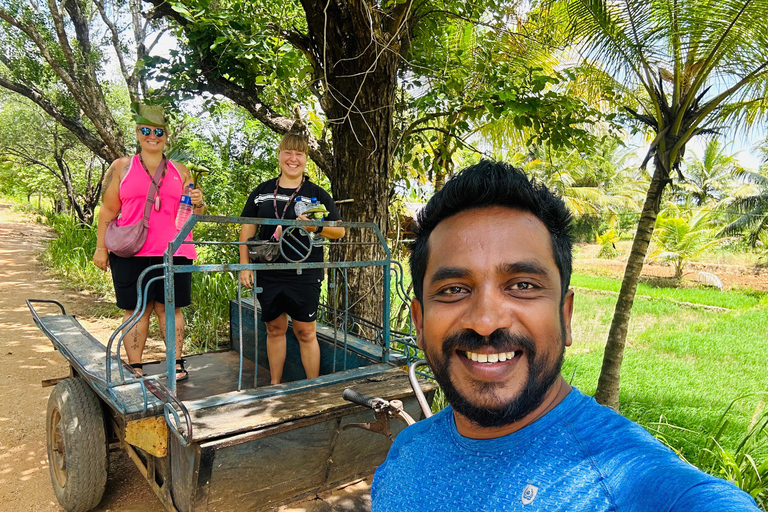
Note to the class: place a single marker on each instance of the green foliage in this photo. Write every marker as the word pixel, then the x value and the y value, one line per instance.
pixel 738 299
pixel 491 79
pixel 239 153
pixel 239 37
pixel 596 185
pixel 684 364
pixel 54 55
pixel 681 235
pixel 208 316
pixel 70 255
pixel 686 69
pixel 710 178
pixel 749 211
pixel 607 243
pixel 746 465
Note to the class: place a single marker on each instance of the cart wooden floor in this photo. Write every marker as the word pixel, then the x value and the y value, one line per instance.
pixel 211 374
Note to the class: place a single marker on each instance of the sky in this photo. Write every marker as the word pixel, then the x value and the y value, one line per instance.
pixel 739 144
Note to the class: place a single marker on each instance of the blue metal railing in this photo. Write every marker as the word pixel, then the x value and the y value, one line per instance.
pixel 343 322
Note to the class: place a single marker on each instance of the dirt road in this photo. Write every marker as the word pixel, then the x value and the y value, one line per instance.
pixel 27 358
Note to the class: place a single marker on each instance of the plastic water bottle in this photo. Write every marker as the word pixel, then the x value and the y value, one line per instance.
pixel 314 204
pixel 185 207
pixel 315 236
pixel 302 205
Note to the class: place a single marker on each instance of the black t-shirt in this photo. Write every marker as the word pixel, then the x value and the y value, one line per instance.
pixel 261 204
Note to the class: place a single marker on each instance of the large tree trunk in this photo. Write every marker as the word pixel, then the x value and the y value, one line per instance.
pixel 608 383
pixel 359 101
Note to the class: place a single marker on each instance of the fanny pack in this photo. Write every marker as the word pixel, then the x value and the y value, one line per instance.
pixel 262 251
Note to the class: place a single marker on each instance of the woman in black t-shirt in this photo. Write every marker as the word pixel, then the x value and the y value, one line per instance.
pixel 286 293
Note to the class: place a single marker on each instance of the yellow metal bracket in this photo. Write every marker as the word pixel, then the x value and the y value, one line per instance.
pixel 149 434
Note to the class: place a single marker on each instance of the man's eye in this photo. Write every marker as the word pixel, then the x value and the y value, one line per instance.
pixel 523 285
pixel 451 290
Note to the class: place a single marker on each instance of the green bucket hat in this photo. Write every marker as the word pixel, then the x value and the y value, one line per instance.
pixel 152 115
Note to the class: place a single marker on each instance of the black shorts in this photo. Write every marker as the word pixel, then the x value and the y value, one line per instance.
pixel 298 299
pixel 125 274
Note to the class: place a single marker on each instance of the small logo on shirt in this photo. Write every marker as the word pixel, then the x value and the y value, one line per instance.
pixel 311 315
pixel 529 494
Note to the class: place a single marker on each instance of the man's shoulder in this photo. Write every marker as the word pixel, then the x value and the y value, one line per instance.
pixel 605 434
pixel 422 433
pixel 632 461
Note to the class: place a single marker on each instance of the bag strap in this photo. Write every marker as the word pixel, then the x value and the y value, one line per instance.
pixel 153 188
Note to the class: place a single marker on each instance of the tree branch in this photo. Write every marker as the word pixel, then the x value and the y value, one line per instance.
pixel 35 36
pixel 215 83
pixel 115 37
pixel 300 42
pixel 61 34
pixel 318 150
pixel 88 94
pixel 91 141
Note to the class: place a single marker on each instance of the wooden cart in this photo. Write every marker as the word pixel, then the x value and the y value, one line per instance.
pixel 224 439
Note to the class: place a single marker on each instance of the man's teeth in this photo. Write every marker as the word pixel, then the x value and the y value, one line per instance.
pixel 490 358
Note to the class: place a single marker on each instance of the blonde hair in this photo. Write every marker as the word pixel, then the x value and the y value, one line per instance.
pixel 294 142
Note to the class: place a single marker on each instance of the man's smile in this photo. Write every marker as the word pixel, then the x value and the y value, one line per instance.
pixel 494 357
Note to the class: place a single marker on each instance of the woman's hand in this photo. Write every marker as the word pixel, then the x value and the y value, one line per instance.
pixel 311 229
pixel 101 258
pixel 198 201
pixel 246 278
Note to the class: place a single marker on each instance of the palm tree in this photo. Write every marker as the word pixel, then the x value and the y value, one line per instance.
pixel 685 67
pixel 683 234
pixel 598 186
pixel 707 178
pixel 750 210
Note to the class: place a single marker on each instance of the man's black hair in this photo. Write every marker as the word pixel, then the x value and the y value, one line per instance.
pixel 488 184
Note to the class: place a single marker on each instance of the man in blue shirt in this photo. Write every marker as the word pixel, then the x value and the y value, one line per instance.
pixel 491 268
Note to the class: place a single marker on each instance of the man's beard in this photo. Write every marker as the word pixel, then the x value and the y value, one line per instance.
pixel 541 376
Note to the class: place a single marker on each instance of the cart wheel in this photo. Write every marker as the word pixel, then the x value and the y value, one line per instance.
pixel 77 445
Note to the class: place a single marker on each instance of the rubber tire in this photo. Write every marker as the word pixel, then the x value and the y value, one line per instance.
pixel 77 445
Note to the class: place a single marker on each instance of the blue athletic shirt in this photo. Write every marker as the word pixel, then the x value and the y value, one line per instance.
pixel 580 456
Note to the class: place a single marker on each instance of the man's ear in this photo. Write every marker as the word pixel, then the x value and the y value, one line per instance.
pixel 567 314
pixel 418 321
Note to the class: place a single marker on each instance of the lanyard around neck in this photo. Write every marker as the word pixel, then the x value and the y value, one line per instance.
pixel 163 163
pixel 274 198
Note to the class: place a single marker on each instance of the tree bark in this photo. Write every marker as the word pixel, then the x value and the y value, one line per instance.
pixel 608 383
pixel 359 103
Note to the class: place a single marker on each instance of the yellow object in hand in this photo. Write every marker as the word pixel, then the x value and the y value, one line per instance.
pixel 316 212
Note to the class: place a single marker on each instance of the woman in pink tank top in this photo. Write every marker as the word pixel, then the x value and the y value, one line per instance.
pixel 125 189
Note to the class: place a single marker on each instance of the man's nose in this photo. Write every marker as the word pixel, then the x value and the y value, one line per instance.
pixel 487 313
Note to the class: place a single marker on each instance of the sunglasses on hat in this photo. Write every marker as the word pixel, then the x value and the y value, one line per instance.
pixel 159 132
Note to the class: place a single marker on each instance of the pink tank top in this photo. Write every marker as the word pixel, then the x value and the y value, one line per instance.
pixel 162 224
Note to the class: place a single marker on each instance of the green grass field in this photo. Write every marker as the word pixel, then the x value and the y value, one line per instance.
pixel 683 365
